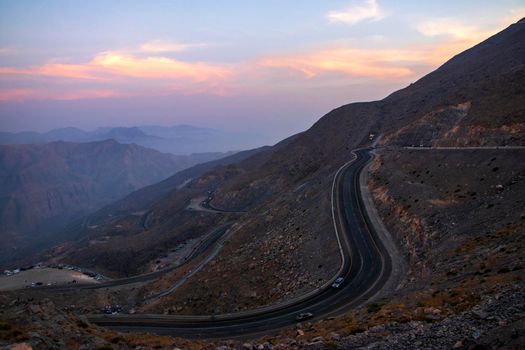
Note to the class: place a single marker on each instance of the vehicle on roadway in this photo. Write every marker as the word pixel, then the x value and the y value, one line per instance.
pixel 303 316
pixel 112 309
pixel 338 282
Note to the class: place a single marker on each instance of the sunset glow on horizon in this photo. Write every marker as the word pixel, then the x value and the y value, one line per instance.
pixel 234 65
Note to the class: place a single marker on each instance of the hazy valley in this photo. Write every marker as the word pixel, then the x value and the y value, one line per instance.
pixel 48 186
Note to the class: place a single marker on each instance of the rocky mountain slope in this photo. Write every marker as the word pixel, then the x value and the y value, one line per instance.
pixel 286 235
pixel 45 186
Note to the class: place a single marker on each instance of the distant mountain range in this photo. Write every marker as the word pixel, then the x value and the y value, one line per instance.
pixel 178 139
pixel 45 186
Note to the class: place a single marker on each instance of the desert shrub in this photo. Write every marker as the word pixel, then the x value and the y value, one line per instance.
pixel 330 345
pixel 4 326
pixel 117 339
pixel 373 308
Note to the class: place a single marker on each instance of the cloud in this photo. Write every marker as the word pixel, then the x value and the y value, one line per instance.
pixel 157 67
pixel 159 46
pixel 86 94
pixel 15 94
pixel 357 12
pixel 108 65
pixel 18 95
pixel 73 71
pixel 351 62
pixel 115 74
pixel 345 64
pixel 450 27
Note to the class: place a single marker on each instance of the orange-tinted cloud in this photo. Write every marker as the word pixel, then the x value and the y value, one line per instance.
pixel 453 28
pixel 113 74
pixel 351 62
pixel 157 67
pixel 378 63
pixel 109 65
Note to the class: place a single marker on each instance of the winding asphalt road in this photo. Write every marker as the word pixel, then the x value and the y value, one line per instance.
pixel 366 268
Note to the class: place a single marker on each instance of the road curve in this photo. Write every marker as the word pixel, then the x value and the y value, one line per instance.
pixel 366 268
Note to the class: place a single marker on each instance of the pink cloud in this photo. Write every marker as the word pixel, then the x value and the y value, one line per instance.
pixel 18 95
pixel 87 94
pixel 73 71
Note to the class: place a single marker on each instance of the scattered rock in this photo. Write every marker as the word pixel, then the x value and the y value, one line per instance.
pixel 377 329
pixel 458 345
pixel 476 334
pixel 432 310
pixel 334 336
pixel 480 314
pixel 35 309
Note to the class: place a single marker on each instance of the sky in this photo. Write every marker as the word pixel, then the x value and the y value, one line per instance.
pixel 272 67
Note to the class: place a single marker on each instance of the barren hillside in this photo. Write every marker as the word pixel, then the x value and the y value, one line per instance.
pixel 285 243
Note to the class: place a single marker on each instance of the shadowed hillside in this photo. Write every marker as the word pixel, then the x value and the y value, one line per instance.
pixel 46 186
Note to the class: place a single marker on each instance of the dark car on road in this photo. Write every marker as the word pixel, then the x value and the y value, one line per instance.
pixel 303 316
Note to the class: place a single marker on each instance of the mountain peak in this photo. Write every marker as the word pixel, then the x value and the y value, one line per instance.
pixel 126 131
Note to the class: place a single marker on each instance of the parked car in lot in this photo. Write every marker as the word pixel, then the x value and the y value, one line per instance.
pixel 338 282
pixel 303 316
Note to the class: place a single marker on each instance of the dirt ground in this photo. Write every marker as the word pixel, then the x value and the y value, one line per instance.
pixel 45 276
